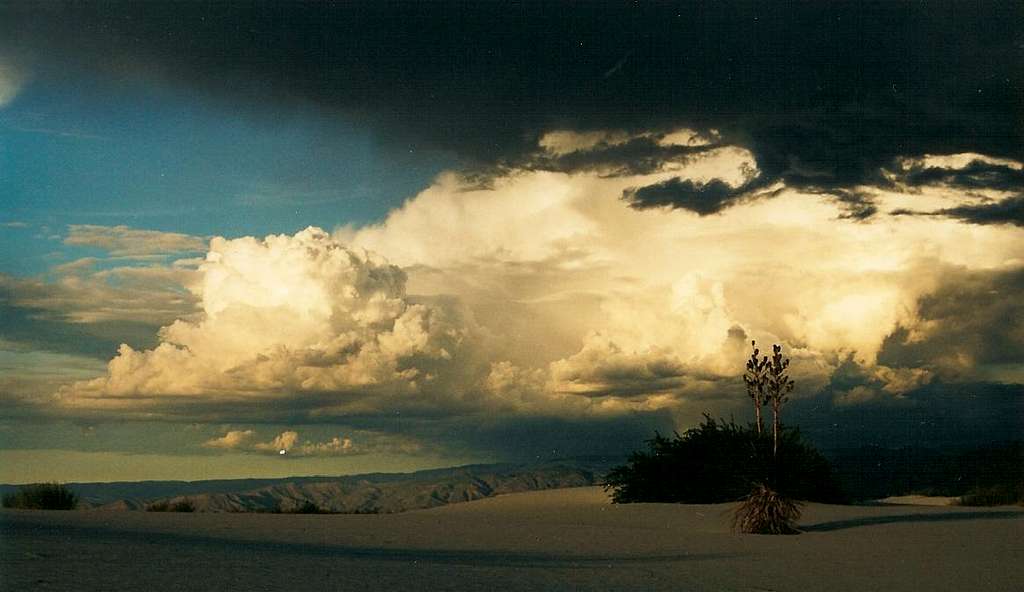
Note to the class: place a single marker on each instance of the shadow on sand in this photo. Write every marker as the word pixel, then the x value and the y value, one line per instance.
pixel 904 518
pixel 157 541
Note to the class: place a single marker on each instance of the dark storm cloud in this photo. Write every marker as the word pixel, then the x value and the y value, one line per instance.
pixel 702 198
pixel 532 438
pixel 1008 211
pixel 857 205
pixel 976 175
pixel 639 156
pixel 936 415
pixel 976 319
pixel 823 94
pixel 973 347
pixel 715 195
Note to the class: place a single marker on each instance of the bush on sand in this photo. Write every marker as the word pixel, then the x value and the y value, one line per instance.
pixel 42 496
pixel 720 461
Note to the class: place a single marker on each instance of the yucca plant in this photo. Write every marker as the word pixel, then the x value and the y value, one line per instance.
pixel 777 386
pixel 756 379
pixel 765 511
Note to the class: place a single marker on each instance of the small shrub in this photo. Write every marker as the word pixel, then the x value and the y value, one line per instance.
pixel 308 507
pixel 765 511
pixel 42 496
pixel 184 505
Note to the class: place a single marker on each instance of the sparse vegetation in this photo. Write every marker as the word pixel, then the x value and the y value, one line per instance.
pixel 42 496
pixel 308 507
pixel 765 511
pixel 184 505
pixel 721 461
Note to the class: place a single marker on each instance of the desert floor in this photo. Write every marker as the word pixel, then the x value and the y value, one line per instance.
pixel 570 539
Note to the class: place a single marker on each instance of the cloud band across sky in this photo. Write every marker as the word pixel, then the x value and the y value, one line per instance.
pixel 496 231
pixel 549 295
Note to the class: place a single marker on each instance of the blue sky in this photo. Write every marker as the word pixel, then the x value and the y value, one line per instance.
pixel 76 152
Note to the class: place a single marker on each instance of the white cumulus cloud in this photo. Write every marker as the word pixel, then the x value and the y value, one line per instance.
pixel 231 439
pixel 280 317
pixel 289 443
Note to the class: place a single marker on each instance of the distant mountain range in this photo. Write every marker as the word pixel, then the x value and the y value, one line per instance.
pixel 370 493
pixel 864 473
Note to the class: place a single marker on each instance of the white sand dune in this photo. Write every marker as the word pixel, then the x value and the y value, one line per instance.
pixel 919 500
pixel 569 539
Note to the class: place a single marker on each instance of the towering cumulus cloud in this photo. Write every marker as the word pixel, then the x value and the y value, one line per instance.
pixel 634 308
pixel 550 294
pixel 281 317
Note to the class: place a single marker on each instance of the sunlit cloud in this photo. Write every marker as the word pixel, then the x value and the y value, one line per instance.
pixel 562 142
pixel 547 293
pixel 123 241
pixel 231 439
pixel 81 293
pixel 654 297
pixel 289 444
pixel 284 316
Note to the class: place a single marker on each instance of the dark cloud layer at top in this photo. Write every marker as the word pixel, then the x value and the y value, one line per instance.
pixel 823 94
pixel 976 318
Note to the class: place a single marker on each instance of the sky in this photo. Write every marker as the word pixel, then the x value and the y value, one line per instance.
pixel 269 239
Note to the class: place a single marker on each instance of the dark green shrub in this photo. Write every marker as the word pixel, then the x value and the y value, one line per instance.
pixel 42 496
pixel 720 461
